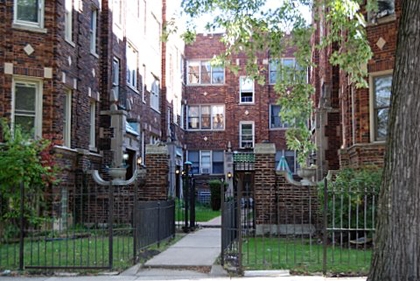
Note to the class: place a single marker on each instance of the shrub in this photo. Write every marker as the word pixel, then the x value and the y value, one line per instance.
pixel 215 194
pixel 352 198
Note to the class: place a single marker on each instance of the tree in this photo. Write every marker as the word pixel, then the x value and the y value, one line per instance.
pixel 251 27
pixel 397 245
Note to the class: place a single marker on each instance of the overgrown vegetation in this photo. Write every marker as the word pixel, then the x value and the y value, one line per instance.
pixel 27 162
pixel 352 198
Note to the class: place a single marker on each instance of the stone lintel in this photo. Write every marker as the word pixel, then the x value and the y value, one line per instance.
pixel 265 148
pixel 156 149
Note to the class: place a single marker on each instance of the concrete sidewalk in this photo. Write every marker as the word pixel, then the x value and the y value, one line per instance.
pixel 198 250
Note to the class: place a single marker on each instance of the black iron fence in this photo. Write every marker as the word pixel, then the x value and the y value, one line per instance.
pixel 85 226
pixel 155 222
pixel 300 228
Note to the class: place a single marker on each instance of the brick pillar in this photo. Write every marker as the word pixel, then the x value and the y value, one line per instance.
pixel 265 180
pixel 157 165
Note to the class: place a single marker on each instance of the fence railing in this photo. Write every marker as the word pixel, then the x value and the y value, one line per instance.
pixel 155 222
pixel 301 228
pixel 85 226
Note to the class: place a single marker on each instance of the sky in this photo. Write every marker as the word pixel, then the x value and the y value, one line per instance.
pixel 203 20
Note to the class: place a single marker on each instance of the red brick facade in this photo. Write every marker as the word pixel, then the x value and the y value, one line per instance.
pixel 345 114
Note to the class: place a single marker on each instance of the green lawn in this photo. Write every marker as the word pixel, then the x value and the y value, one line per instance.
pixel 203 213
pixel 303 256
pixel 90 252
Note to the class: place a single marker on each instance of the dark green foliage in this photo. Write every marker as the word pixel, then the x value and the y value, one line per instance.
pixel 352 198
pixel 215 194
pixel 28 162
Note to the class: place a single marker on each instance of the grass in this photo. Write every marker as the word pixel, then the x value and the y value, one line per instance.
pixel 87 252
pixel 92 251
pixel 203 213
pixel 303 256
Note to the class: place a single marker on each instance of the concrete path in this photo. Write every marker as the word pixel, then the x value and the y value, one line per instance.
pixel 197 250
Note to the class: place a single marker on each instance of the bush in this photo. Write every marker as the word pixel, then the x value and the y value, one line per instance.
pixel 215 194
pixel 352 198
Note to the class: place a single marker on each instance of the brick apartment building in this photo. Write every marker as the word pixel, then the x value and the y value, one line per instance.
pixel 64 63
pixel 225 111
pixel 352 123
pixel 73 59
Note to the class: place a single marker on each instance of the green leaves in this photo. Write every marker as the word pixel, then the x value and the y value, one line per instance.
pixel 252 28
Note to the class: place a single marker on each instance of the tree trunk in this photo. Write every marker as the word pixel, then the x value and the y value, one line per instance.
pixel 397 246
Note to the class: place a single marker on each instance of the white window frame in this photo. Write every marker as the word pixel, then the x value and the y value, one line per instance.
pixel 206 167
pixel 116 77
pixel 132 66
pixel 372 101
pixel 68 21
pixel 39 24
pixel 37 114
pixel 200 64
pixel 92 125
pixel 67 118
pixel 246 86
pixel 154 96
pixel 213 115
pixel 93 30
pixel 241 134
pixel 279 68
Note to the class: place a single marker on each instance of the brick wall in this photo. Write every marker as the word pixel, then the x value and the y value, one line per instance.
pixel 157 163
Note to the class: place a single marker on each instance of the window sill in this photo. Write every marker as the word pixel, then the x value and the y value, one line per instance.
pixel 133 88
pixel 278 129
pixel 29 28
pixel 93 149
pixel 246 103
pixel 386 19
pixel 205 85
pixel 94 54
pixel 71 43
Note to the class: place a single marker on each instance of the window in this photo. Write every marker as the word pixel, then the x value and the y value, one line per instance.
pixel 68 21
pixel 385 8
pixel 67 119
pixel 275 120
pixel 286 69
pixel 132 59
pixel 246 89
pixel 92 135
pixel 117 10
pixel 27 107
pixel 381 97
pixel 246 134
pixel 201 72
pixel 116 77
pixel 290 157
pixel 206 161
pixel 218 162
pixel 29 13
pixel 206 117
pixel 93 30
pixel 154 96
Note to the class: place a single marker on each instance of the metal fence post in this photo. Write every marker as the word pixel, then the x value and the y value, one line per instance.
pixel 222 210
pixel 22 231
pixel 325 226
pixel 110 222
pixel 158 224
pixel 135 223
